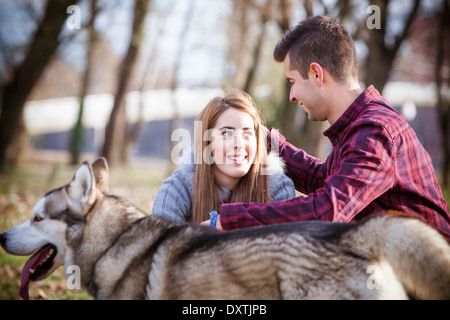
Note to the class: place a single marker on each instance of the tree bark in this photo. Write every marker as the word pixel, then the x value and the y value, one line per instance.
pixel 76 143
pixel 264 13
pixel 114 144
pixel 443 103
pixel 381 56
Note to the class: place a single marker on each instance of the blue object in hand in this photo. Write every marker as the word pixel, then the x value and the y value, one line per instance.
pixel 213 217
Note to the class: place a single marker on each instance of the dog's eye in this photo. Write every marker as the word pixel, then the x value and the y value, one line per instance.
pixel 37 218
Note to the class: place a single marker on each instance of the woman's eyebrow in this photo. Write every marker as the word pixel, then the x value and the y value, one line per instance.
pixel 232 128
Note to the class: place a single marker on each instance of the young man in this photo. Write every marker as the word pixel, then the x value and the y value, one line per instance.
pixel 377 163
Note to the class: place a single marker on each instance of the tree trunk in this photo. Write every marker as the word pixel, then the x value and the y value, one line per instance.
pixel 77 132
pixel 264 12
pixel 381 56
pixel 176 114
pixel 305 134
pixel 238 36
pixel 25 76
pixel 114 144
pixel 443 103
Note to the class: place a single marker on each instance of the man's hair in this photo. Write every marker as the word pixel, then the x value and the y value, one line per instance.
pixel 322 40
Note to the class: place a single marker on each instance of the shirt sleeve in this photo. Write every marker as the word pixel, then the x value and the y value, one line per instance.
pixel 360 171
pixel 173 201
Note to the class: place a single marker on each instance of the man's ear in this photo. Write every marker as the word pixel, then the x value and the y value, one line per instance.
pixel 316 73
pixel 81 190
pixel 101 174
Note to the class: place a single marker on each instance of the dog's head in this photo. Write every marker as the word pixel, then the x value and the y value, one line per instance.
pixel 56 224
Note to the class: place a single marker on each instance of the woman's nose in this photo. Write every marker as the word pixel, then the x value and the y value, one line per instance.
pixel 239 141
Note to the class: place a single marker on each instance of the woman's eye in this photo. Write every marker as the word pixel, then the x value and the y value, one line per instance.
pixel 227 133
pixel 248 134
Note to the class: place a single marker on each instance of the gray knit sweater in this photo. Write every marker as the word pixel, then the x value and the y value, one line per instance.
pixel 173 201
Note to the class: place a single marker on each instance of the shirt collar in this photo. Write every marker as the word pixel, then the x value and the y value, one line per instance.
pixel 350 114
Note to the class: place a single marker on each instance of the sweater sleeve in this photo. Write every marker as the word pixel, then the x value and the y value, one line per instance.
pixel 173 201
pixel 281 187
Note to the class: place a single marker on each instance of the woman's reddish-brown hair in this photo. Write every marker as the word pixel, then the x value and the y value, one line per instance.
pixel 253 187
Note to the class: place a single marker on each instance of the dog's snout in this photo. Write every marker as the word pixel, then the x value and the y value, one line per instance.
pixel 2 239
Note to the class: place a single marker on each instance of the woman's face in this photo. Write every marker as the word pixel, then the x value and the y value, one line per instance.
pixel 234 146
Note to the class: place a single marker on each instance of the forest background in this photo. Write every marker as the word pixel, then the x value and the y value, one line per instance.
pixel 54 49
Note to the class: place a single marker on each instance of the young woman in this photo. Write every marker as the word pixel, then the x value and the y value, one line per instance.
pixel 231 164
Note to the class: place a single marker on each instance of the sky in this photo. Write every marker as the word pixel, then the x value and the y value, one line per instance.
pixel 204 53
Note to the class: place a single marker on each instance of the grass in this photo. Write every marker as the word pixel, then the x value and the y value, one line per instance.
pixel 20 188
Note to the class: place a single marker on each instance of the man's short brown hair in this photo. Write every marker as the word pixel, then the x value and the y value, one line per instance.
pixel 322 40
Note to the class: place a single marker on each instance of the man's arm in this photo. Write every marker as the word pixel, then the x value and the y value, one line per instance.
pixel 363 170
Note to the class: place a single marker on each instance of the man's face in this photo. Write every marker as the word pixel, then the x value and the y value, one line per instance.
pixel 305 92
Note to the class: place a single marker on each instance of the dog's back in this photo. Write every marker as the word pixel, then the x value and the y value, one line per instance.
pixel 307 260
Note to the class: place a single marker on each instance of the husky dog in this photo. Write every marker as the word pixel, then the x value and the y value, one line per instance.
pixel 124 254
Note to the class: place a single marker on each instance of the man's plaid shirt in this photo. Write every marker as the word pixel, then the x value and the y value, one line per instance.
pixel 376 164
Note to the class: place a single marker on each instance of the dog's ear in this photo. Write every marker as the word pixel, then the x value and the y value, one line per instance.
pixel 101 174
pixel 81 189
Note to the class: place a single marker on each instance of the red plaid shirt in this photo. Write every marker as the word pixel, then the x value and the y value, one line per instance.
pixel 377 163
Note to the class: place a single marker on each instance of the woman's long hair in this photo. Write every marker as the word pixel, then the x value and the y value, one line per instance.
pixel 253 187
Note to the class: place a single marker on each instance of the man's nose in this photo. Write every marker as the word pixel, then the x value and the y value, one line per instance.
pixel 292 97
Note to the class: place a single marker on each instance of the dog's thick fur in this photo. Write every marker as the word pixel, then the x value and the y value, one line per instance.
pixel 124 254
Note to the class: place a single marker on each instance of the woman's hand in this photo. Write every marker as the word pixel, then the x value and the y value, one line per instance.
pixel 208 223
